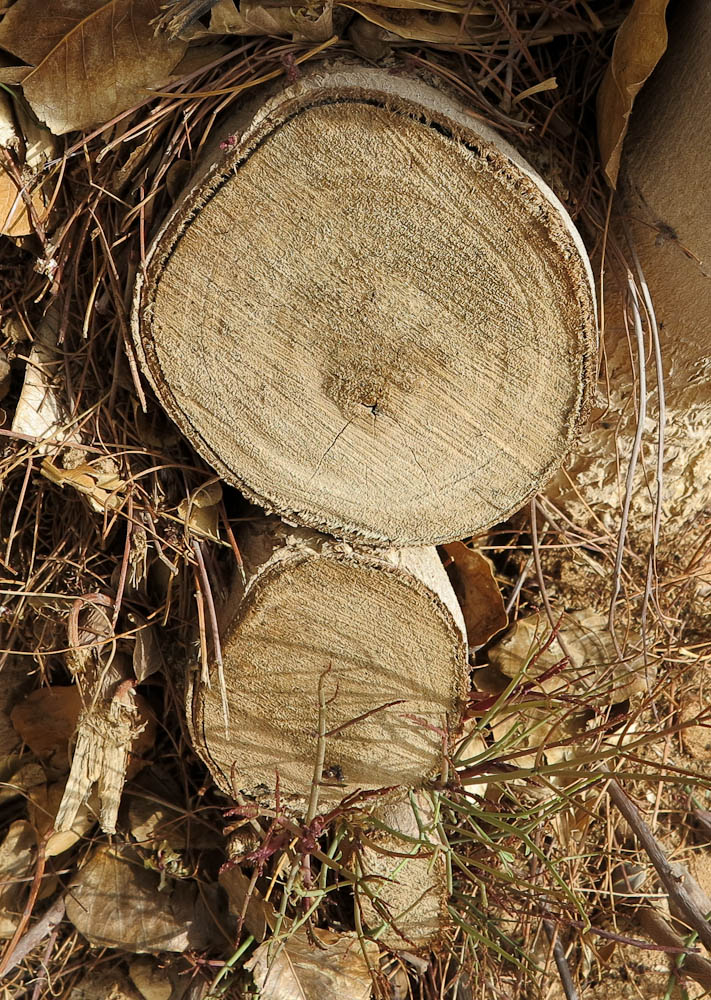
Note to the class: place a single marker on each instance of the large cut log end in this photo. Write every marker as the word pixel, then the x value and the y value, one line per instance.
pixel 367 651
pixel 371 315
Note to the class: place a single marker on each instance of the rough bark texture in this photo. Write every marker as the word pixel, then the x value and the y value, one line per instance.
pixel 386 628
pixel 665 174
pixel 371 315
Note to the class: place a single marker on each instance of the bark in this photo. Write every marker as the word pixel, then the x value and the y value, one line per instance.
pixel 370 314
pixel 668 215
pixel 367 650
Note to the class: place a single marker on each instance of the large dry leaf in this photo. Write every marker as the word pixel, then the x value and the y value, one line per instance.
pixel 298 970
pixel 115 902
pixel 150 979
pixel 90 60
pixel 46 721
pixel 594 674
pixel 594 669
pixel 477 592
pixel 639 45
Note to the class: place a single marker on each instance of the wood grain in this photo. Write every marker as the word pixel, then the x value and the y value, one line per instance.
pixel 370 315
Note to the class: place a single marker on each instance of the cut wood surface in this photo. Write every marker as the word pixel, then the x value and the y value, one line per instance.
pixel 408 897
pixel 668 211
pixel 383 632
pixel 371 315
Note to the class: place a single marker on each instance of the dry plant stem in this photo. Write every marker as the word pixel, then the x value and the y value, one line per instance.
pixel 207 590
pixel 29 906
pixel 561 961
pixel 694 966
pixel 26 944
pixel 382 323
pixel 634 458
pixel 672 884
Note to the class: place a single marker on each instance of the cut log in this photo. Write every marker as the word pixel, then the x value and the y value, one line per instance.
pixel 383 637
pixel 371 315
pixel 668 213
pixel 407 904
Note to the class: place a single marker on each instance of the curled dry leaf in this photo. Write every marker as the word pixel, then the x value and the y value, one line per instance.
pixel 115 902
pixel 311 22
pixel 200 511
pixel 640 43
pixel 16 863
pixel 105 490
pixel 90 59
pixel 44 801
pixel 477 591
pixel 146 651
pixel 39 411
pixel 154 824
pixel 594 670
pixel 594 673
pixel 286 969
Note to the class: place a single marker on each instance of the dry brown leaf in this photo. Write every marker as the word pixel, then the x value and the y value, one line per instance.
pixel 14 681
pixel 594 674
pixel 46 721
pixel 16 863
pixel 426 26
pixel 477 592
pixel 311 22
pixel 198 57
pixel 146 651
pixel 286 970
pixel 104 490
pixel 369 40
pixel 150 979
pixel 200 511
pixel 152 823
pixel 44 801
pixel 594 668
pixel 12 76
pixel 91 60
pixel 115 902
pixel 260 916
pixel 104 985
pixel 640 43
pixel 14 213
